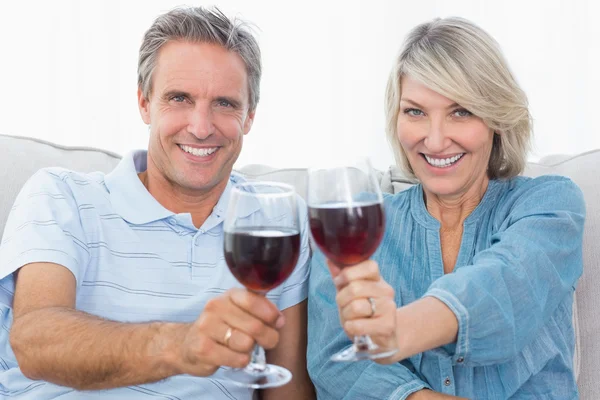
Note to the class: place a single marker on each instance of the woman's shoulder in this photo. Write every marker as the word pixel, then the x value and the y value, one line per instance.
pixel 400 198
pixel 543 192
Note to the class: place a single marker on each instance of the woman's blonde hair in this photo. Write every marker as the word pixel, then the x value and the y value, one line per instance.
pixel 459 60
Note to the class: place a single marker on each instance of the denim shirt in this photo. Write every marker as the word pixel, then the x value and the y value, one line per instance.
pixel 511 291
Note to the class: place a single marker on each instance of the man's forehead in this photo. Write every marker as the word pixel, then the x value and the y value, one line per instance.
pixel 189 64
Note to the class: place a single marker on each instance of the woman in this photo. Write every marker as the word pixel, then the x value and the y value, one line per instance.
pixel 473 282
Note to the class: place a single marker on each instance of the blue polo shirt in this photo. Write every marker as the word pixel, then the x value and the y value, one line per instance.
pixel 133 260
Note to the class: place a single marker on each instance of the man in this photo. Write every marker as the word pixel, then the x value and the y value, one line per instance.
pixel 89 263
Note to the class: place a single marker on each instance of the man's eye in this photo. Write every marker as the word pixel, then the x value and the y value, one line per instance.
pixel 224 103
pixel 178 99
pixel 415 112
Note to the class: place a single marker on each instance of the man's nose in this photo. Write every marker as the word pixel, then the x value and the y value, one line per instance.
pixel 201 122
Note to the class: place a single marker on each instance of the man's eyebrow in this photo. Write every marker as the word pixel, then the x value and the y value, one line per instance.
pixel 174 92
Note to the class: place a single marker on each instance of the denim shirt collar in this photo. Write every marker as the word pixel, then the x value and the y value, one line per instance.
pixel 423 217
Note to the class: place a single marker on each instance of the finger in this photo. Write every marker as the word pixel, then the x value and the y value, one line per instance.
pixel 240 320
pixel 362 290
pixel 235 340
pixel 258 306
pixel 361 308
pixel 382 326
pixel 205 352
pixel 366 270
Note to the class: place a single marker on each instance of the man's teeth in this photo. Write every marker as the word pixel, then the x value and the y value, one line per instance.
pixel 443 162
pixel 198 152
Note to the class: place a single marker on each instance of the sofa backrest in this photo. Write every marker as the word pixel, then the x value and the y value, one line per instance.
pixel 24 156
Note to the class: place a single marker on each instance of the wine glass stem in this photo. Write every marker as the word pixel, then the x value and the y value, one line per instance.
pixel 258 360
pixel 364 343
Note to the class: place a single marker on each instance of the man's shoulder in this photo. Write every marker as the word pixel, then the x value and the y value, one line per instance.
pixel 63 179
pixel 55 184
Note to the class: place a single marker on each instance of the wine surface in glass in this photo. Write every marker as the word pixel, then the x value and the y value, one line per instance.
pixel 262 258
pixel 347 234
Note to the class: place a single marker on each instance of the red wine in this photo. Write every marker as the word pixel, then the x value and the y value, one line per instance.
pixel 262 258
pixel 347 235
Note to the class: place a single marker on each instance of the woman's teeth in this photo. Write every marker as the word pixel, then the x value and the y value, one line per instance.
pixel 198 152
pixel 443 162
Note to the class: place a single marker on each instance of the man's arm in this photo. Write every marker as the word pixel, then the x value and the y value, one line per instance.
pixel 291 354
pixel 56 343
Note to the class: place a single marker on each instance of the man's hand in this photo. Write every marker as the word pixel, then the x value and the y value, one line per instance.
pixel 205 345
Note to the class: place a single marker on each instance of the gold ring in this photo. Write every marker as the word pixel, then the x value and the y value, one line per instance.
pixel 372 303
pixel 227 336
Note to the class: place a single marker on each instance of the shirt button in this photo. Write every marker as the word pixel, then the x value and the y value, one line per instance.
pixel 447 381
pixel 172 221
pixel 460 359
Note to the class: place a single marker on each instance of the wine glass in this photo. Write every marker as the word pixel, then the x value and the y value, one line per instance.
pixel 345 209
pixel 262 246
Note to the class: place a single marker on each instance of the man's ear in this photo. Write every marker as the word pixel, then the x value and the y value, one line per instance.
pixel 249 121
pixel 144 106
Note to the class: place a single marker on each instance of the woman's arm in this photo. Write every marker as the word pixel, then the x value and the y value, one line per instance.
pixel 513 288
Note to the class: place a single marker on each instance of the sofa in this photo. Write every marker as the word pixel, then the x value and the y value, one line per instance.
pixel 24 156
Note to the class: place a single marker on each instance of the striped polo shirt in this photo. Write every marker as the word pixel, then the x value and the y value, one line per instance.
pixel 133 260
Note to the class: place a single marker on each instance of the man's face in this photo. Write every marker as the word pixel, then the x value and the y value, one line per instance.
pixel 198 114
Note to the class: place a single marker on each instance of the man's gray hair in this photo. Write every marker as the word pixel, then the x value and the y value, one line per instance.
pixel 201 25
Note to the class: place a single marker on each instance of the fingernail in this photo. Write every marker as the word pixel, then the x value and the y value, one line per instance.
pixel 280 321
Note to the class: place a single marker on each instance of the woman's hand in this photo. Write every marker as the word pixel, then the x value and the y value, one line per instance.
pixel 366 304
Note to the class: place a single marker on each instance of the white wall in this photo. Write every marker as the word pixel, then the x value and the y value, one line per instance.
pixel 68 71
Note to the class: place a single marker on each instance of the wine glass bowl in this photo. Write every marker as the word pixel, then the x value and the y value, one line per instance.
pixel 262 258
pixel 347 235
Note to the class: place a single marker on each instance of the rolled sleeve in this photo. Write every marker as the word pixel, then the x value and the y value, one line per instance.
pixel 461 351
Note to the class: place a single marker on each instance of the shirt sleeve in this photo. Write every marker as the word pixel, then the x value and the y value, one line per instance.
pixel 44 226
pixel 295 288
pixel 352 380
pixel 514 286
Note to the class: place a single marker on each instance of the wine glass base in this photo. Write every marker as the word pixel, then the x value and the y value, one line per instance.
pixel 354 353
pixel 258 377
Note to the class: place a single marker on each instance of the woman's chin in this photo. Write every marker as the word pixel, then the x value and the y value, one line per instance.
pixel 441 188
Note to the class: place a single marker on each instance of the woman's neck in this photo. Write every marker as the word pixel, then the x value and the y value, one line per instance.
pixel 452 211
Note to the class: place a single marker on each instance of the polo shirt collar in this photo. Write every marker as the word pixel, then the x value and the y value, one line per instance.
pixel 128 195
pixel 132 201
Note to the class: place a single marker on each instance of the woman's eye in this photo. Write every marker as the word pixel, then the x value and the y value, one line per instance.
pixel 462 113
pixel 413 112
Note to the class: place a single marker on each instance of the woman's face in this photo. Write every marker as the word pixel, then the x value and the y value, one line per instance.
pixel 448 147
